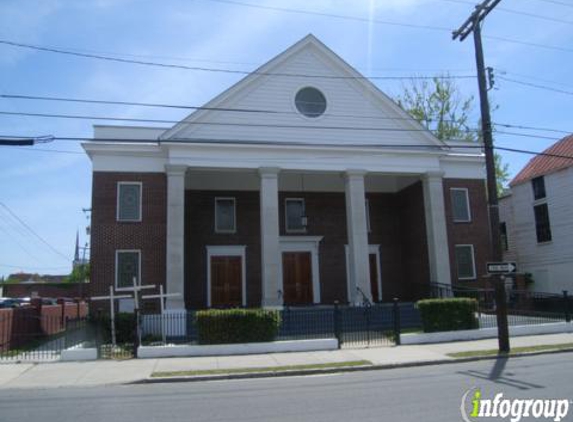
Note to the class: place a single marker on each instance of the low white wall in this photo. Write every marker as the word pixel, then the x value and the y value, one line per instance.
pixel 237 349
pixel 78 353
pixel 465 335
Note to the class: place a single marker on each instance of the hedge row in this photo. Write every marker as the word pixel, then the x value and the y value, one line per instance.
pixel 448 314
pixel 237 326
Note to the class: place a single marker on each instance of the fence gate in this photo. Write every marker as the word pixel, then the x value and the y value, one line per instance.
pixel 366 326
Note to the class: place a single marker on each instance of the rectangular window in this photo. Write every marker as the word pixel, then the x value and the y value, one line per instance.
pixel 460 205
pixel 129 201
pixel 465 262
pixel 503 236
pixel 127 266
pixel 542 224
pixel 538 185
pixel 294 215
pixel 225 215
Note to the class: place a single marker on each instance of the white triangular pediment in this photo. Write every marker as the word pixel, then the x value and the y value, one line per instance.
pixel 357 112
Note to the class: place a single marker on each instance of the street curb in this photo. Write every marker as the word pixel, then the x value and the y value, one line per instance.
pixel 334 370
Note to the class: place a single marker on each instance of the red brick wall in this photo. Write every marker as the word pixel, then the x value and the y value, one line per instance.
pixel 71 290
pixel 397 224
pixel 414 245
pixel 108 235
pixel 476 232
pixel 200 231
pixel 6 320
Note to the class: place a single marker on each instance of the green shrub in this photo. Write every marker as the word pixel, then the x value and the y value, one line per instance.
pixel 448 314
pixel 236 326
pixel 124 327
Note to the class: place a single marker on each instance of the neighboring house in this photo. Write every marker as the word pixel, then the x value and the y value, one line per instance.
pixel 537 219
pixel 301 184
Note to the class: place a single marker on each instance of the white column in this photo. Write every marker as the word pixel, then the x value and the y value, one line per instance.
pixel 436 231
pixel 270 250
pixel 359 266
pixel 175 235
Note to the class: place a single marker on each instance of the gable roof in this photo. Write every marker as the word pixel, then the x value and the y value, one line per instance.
pixel 544 164
pixel 275 65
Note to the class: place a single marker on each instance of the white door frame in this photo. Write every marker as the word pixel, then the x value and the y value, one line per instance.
pixel 303 244
pixel 228 250
pixel 372 250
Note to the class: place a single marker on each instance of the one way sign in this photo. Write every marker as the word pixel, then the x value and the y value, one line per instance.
pixel 501 267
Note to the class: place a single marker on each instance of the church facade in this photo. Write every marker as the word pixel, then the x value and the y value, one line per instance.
pixel 302 184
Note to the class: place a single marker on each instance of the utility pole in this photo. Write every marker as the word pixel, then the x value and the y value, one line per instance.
pixel 473 25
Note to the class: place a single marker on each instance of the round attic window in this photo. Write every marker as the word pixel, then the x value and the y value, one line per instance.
pixel 310 102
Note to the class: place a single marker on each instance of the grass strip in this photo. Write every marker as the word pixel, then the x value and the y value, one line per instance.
pixel 515 350
pixel 332 365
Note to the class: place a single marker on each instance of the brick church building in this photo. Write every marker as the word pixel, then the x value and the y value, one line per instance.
pixel 301 184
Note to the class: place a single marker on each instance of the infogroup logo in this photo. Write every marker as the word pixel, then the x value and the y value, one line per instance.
pixel 475 407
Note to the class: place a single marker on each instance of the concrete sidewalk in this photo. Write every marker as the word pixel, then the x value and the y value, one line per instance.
pixel 102 372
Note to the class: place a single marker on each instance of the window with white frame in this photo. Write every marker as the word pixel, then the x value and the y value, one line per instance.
pixel 129 201
pixel 225 215
pixel 295 220
pixel 127 266
pixel 465 262
pixel 460 205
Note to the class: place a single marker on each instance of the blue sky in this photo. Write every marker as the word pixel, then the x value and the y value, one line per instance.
pixel 47 186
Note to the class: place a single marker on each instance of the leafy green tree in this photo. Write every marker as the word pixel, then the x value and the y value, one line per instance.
pixel 79 274
pixel 438 105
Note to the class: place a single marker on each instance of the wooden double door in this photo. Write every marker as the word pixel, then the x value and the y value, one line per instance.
pixel 297 278
pixel 226 281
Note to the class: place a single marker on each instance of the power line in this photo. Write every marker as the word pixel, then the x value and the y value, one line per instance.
pixel 536 78
pixel 469 146
pixel 560 3
pixel 28 141
pixel 516 12
pixel 32 231
pixel 538 86
pixel 542 129
pixel 526 135
pixel 377 21
pixel 333 15
pixel 543 154
pixel 223 109
pixel 211 69
pixel 271 125
pixel 529 44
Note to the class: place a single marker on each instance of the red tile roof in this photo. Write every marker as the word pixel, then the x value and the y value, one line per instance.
pixel 541 165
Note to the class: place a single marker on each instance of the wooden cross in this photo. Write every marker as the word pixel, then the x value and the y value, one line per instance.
pixel 136 290
pixel 111 298
pixel 162 296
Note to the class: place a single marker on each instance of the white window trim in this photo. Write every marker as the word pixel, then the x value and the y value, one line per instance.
pixel 303 244
pixel 372 250
pixel 469 220
pixel 287 230
pixel 117 252
pixel 129 220
pixel 226 198
pixel 228 250
pixel 474 277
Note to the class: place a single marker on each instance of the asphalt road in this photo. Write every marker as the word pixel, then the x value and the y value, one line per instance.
pixel 431 393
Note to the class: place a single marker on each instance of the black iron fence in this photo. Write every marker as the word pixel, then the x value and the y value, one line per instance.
pixel 524 307
pixel 27 336
pixel 373 325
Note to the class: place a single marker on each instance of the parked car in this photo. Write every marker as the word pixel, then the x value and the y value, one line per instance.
pixel 12 302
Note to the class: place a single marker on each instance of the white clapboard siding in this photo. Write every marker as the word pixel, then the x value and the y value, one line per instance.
pixel 551 263
pixel 346 98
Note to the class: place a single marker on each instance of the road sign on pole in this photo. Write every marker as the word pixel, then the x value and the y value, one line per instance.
pixel 501 267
